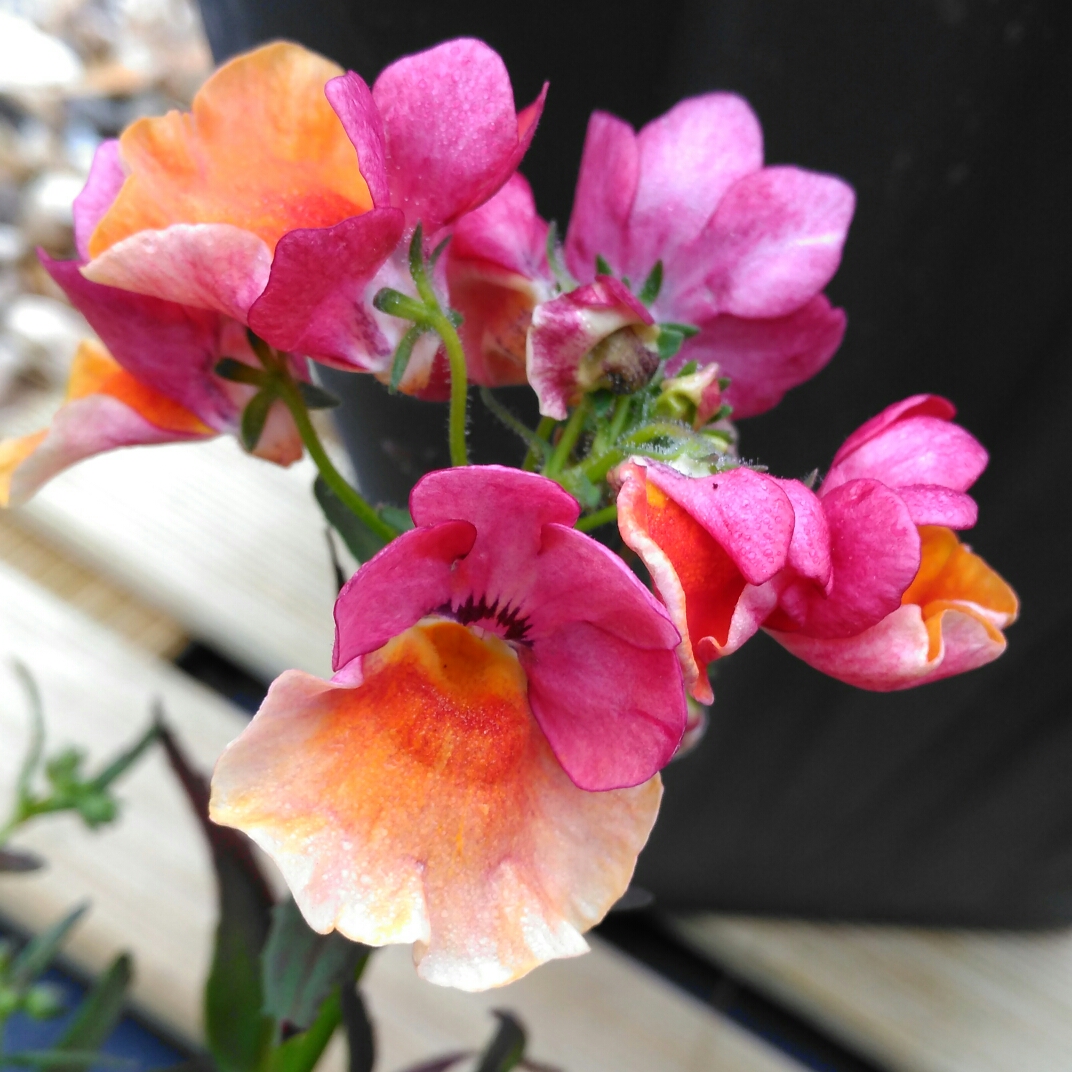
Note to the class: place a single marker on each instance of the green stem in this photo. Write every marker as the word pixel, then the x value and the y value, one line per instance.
pixel 600 517
pixel 595 469
pixel 516 426
pixel 459 387
pixel 292 399
pixel 568 440
pixel 543 433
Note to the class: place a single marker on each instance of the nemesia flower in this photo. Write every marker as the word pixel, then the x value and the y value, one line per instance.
pixel 746 249
pixel 906 602
pixel 713 546
pixel 480 773
pixel 290 185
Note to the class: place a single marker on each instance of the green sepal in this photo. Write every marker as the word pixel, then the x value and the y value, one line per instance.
pixel 402 356
pixel 669 342
pixel 260 348
pixel 361 541
pixel 254 418
pixel 685 330
pixel 652 285
pixel 507 1047
pixel 416 252
pixel 602 267
pixel 228 368
pixel 315 397
pixel 438 252
pixel 395 303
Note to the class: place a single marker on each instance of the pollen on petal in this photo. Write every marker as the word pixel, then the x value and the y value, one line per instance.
pixel 262 150
pixel 424 805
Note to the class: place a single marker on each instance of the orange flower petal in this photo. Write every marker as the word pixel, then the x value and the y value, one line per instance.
pixel 262 149
pixel 424 805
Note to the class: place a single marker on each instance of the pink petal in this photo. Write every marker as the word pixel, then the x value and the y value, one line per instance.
pixel 894 653
pixel 932 505
pixel 206 265
pixel 613 713
pixel 775 241
pixel 409 578
pixel 913 450
pixel 106 177
pixel 809 551
pixel 745 512
pixel 765 358
pixel 568 327
pixel 874 554
pixel 916 406
pixel 351 99
pixel 314 302
pixel 171 347
pixel 452 132
pixel 689 159
pixel 606 186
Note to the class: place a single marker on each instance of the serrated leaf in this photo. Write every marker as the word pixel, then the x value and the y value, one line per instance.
pixel 362 541
pixel 237 1032
pixel 507 1047
pixel 39 952
pixel 652 285
pixel 302 969
pixel 16 861
pixel 239 372
pixel 602 267
pixel 97 1015
pixel 254 417
pixel 315 397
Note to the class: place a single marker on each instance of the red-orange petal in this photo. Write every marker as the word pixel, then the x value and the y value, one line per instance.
pixel 261 149
pixel 424 805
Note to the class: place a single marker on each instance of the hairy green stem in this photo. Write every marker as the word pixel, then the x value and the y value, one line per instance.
pixel 459 387
pixel 600 517
pixel 518 427
pixel 568 440
pixel 543 433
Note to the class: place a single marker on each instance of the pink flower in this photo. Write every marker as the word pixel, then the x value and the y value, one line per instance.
pixel 906 603
pixel 480 774
pixel 746 250
pixel 256 205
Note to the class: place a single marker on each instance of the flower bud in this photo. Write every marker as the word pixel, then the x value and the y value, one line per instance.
pixel 621 363
pixel 693 398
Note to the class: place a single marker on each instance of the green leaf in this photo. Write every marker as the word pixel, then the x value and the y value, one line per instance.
pixel 301 968
pixel 127 758
pixel 602 267
pixel 301 1052
pixel 506 1048
pixel 402 356
pixel 66 1059
pixel 652 285
pixel 239 372
pixel 237 1033
pixel 98 1014
pixel 362 541
pixel 35 748
pixel 397 517
pixel 39 952
pixel 17 860
pixel 315 397
pixel 254 417
pixel 360 1039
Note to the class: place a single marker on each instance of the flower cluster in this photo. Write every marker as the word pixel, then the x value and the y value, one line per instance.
pixel 482 770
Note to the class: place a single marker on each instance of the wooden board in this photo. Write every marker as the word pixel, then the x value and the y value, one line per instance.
pixel 914 1000
pixel 150 882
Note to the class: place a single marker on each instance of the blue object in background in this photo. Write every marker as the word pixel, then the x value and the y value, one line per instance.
pixel 141 1049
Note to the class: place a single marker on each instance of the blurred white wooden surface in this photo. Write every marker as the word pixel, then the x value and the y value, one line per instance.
pixel 150 882
pixel 914 1000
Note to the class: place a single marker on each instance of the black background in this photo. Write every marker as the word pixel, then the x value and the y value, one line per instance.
pixel 953 120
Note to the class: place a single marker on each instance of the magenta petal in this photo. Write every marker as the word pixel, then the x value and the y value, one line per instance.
pixel 915 406
pixel 171 347
pixel 932 505
pixel 606 186
pixel 105 180
pixel 913 450
pixel 745 512
pixel 409 578
pixel 809 551
pixel 765 358
pixel 452 130
pixel 314 302
pixel 875 554
pixel 689 158
pixel 613 714
pixel 776 241
pixel 351 99
pixel 505 231
pixel 566 328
